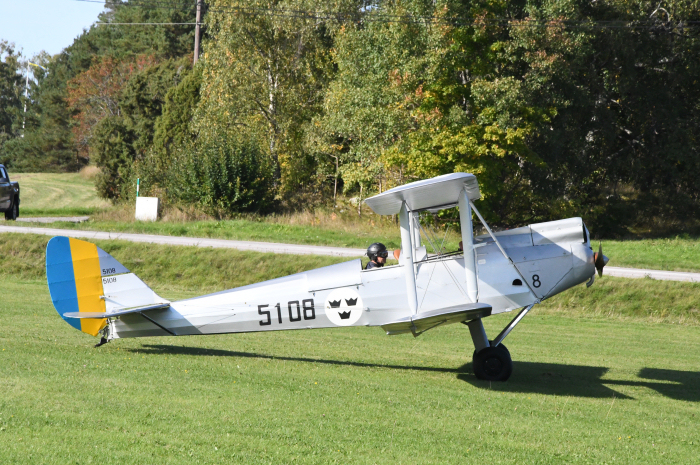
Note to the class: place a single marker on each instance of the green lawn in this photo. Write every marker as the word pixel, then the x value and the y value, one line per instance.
pixel 673 254
pixel 598 389
pixel 583 391
pixel 250 230
pixel 57 194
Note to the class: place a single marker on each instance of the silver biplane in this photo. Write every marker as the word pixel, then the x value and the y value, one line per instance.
pixel 494 273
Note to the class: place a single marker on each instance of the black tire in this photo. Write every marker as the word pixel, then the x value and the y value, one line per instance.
pixel 501 346
pixel 493 364
pixel 13 212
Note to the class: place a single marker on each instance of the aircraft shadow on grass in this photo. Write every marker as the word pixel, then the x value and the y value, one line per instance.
pixel 530 377
pixel 587 381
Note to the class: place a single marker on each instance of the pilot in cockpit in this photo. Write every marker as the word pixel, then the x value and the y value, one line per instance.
pixel 377 254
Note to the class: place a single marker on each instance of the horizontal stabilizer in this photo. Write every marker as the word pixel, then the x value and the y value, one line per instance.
pixel 98 315
pixel 421 322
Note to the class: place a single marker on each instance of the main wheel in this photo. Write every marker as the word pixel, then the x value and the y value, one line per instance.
pixel 493 364
pixel 500 346
pixel 12 213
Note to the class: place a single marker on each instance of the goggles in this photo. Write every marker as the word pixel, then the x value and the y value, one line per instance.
pixel 383 254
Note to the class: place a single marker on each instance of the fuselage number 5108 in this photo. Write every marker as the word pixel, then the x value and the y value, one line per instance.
pixel 294 310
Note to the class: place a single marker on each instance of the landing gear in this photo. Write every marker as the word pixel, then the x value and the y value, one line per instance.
pixel 491 359
pixel 104 336
pixel 493 363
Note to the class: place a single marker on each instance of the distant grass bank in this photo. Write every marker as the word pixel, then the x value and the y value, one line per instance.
pixel 166 267
pixel 73 194
pixel 251 230
pixel 175 269
pixel 671 254
pixel 58 194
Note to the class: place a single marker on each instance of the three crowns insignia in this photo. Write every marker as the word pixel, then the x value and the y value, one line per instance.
pixel 350 303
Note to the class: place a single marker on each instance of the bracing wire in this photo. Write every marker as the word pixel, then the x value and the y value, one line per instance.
pixel 444 238
pixel 447 268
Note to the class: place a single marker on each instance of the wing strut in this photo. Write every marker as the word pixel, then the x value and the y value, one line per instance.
pixel 511 325
pixel 465 218
pixel 407 256
pixel 493 236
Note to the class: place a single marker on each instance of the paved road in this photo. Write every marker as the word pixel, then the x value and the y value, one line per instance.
pixel 654 274
pixel 297 249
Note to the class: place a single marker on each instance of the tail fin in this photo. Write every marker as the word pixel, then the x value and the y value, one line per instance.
pixel 84 278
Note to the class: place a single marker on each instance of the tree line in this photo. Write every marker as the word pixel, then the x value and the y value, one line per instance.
pixel 560 108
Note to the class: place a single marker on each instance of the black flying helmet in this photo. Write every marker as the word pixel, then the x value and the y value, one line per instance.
pixel 377 250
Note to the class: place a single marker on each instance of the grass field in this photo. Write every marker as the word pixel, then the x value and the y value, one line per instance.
pixel 583 391
pixel 252 231
pixel 612 388
pixel 672 254
pixel 57 194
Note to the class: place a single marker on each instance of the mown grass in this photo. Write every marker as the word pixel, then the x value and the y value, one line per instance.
pixel 583 391
pixel 629 300
pixel 673 254
pixel 204 269
pixel 250 230
pixel 57 194
pixel 58 212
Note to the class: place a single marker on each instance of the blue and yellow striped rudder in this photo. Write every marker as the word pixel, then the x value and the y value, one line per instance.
pixel 74 271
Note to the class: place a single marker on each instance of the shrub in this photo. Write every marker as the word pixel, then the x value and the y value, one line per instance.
pixel 222 175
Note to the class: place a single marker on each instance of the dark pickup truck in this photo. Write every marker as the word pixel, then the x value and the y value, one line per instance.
pixel 9 195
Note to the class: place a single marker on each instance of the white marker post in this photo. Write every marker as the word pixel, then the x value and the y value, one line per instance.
pixel 146 207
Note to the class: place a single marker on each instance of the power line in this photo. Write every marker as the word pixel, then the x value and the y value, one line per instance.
pixel 408 19
pixel 135 3
pixel 149 24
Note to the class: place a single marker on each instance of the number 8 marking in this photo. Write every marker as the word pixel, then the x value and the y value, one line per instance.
pixel 536 280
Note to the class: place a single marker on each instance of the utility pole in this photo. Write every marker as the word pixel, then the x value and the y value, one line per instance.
pixel 196 31
pixel 26 97
pixel 26 93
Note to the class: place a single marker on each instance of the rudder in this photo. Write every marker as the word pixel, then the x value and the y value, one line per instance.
pixel 83 278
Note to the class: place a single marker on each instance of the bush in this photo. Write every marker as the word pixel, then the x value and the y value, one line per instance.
pixel 113 153
pixel 222 175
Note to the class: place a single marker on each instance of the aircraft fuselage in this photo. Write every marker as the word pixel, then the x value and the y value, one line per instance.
pixel 547 258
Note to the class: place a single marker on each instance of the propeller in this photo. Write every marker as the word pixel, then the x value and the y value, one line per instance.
pixel 600 260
